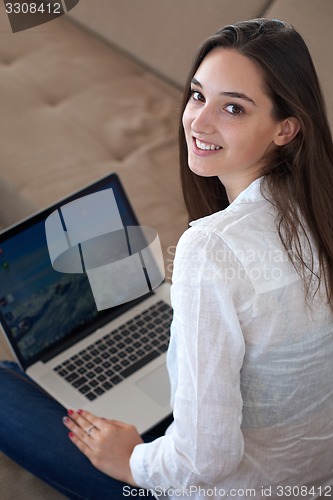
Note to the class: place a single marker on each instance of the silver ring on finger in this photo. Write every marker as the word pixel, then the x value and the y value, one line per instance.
pixel 90 429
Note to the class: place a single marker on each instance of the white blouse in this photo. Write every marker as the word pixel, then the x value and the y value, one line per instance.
pixel 250 364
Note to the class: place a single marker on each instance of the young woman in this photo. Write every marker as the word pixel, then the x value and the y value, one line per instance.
pixel 252 335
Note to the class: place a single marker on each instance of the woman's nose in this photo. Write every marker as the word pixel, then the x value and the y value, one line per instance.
pixel 204 120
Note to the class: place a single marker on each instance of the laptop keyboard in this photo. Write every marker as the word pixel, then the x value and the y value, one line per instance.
pixel 111 359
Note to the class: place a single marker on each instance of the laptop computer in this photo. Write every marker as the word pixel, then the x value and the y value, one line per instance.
pixel 108 359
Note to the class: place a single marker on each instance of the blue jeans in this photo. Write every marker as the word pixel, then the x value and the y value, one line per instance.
pixel 32 434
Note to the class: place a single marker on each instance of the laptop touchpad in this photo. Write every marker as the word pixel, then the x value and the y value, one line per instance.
pixel 156 385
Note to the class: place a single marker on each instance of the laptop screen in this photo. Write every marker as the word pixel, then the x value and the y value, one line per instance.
pixel 43 311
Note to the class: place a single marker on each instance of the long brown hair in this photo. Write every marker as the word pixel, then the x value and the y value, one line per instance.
pixel 298 177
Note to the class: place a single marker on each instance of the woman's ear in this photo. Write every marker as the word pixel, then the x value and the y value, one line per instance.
pixel 289 128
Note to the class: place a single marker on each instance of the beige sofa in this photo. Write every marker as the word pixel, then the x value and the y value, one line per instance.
pixel 98 90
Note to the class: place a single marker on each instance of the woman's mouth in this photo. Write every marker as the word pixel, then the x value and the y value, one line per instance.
pixel 205 146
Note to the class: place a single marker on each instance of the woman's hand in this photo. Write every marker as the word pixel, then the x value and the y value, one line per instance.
pixel 107 443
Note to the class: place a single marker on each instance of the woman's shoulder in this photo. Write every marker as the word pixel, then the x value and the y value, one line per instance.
pixel 241 241
pixel 248 213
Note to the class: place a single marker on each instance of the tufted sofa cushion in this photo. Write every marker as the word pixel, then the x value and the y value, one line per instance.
pixel 73 110
pixel 24 485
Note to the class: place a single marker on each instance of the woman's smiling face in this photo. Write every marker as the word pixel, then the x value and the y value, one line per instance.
pixel 228 121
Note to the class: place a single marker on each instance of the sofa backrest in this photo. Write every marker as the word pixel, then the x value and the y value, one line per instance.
pixel 163 34
pixel 313 19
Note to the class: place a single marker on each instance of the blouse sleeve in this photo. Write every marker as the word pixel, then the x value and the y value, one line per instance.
pixel 211 298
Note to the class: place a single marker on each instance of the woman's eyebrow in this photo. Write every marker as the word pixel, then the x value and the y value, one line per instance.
pixel 235 95
pixel 238 95
pixel 196 82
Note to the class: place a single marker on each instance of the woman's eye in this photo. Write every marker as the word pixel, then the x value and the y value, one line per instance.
pixel 197 96
pixel 234 109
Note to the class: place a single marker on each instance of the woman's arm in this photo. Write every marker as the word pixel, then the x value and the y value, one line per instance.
pixel 211 297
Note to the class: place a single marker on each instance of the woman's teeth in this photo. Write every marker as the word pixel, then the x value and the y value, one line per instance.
pixel 206 147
